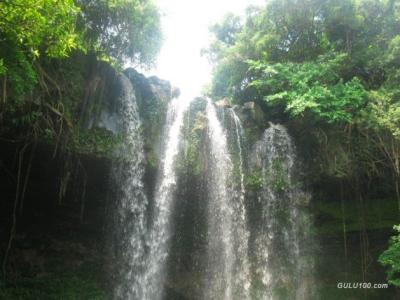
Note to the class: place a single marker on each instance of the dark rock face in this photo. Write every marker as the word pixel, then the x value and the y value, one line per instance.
pixel 62 229
pixel 223 103
pixel 152 95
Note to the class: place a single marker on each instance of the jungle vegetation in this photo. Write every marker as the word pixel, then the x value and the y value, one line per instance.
pixel 52 55
pixel 331 69
pixel 40 45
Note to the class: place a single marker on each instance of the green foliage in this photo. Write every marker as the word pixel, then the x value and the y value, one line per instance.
pixel 49 54
pixel 193 160
pixel 121 30
pixel 29 29
pixel 97 142
pixel 3 69
pixel 390 258
pixel 20 74
pixel 314 86
pixel 39 26
pixel 383 112
pixel 254 180
pixel 278 177
pixel 115 30
pixel 312 55
pixel 225 36
pixel 330 68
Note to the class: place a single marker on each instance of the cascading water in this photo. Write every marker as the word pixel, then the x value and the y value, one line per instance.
pixel 220 221
pixel 242 272
pixel 160 232
pixel 131 211
pixel 227 234
pixel 270 261
pixel 283 263
pixel 239 137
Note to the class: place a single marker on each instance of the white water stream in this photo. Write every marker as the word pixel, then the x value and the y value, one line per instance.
pixel 241 263
pixel 160 232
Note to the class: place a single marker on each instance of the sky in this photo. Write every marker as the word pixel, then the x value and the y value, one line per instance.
pixel 185 25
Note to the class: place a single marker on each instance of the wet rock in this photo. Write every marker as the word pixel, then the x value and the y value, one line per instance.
pixel 249 105
pixel 107 120
pixel 152 89
pixel 176 92
pixel 304 200
pixel 254 112
pixel 160 88
pixel 224 103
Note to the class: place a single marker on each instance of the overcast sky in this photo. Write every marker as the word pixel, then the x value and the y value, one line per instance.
pixel 185 25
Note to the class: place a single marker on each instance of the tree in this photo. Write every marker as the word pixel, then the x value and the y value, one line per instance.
pixel 49 60
pixel 123 30
pixel 391 258
pixel 29 29
pixel 117 30
pixel 314 86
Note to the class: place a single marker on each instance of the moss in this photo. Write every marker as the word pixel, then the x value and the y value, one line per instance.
pixel 193 161
pixel 194 145
pixel 378 214
pixel 49 288
pixel 278 177
pixel 98 142
pixel 254 181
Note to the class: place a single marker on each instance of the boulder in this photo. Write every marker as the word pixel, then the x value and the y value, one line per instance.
pixel 254 111
pixel 249 105
pixel 224 103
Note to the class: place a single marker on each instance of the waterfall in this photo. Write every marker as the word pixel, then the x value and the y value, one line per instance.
pixel 227 234
pixel 239 136
pixel 160 231
pixel 130 218
pixel 282 245
pixel 242 273
pixel 273 260
pixel 220 222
